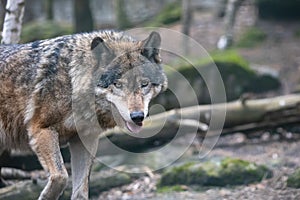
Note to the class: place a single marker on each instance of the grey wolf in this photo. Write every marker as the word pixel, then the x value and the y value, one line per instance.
pixel 42 81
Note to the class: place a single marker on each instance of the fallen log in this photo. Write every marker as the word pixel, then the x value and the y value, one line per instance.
pixel 244 115
pixel 12 173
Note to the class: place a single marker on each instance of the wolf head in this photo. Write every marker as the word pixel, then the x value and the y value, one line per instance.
pixel 130 79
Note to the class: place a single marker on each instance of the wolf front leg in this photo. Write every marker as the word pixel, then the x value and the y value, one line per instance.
pixel 83 151
pixel 45 143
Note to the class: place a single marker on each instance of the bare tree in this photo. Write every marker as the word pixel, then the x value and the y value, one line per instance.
pixel 226 40
pixel 122 18
pixel 186 16
pixel 2 12
pixel 49 9
pixel 186 22
pixel 83 16
pixel 13 21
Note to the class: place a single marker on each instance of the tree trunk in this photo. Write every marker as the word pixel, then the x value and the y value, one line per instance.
pixel 83 16
pixel 186 16
pixel 13 21
pixel 2 13
pixel 122 19
pixel 230 16
pixel 49 9
pixel 241 116
pixel 221 9
pixel 186 24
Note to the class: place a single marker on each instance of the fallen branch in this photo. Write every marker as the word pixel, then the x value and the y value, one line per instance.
pixel 241 116
pixel 11 173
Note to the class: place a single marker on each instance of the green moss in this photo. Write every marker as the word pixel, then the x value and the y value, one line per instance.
pixel 228 56
pixel 170 13
pixel 294 179
pixel 43 30
pixel 252 37
pixel 175 188
pixel 228 172
pixel 242 172
pixel 180 175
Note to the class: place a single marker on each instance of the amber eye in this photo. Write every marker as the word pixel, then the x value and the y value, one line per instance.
pixel 145 83
pixel 118 84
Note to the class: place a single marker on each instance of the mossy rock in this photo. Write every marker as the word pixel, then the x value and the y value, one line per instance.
pixel 227 172
pixel 43 30
pixel 238 78
pixel 168 189
pixel 294 179
pixel 169 14
pixel 237 172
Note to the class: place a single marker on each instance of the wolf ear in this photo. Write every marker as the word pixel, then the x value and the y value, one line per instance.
pixel 150 47
pixel 99 47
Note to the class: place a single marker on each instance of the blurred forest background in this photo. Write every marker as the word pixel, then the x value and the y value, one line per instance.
pixel 255 45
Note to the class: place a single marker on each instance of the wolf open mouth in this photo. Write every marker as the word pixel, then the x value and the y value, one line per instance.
pixel 134 128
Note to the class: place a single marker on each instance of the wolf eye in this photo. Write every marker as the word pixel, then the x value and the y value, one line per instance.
pixel 118 84
pixel 145 83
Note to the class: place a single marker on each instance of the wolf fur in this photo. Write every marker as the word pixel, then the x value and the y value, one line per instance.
pixel 41 83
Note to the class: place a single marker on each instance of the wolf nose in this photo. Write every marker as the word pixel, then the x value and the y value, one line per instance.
pixel 137 117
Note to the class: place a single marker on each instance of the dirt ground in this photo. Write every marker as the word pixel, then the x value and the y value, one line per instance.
pixel 279 151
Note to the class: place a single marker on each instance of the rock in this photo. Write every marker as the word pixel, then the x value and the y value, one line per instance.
pixel 237 76
pixel 236 172
pixel 227 172
pixel 294 179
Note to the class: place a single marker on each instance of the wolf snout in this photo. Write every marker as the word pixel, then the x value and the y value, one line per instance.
pixel 137 117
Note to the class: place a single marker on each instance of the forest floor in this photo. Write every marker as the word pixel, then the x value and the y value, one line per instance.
pixel 278 149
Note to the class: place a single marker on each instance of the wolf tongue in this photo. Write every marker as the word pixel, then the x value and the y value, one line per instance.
pixel 132 127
